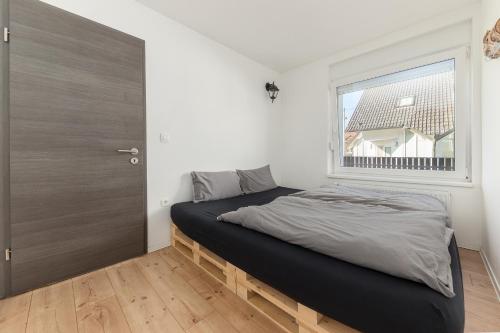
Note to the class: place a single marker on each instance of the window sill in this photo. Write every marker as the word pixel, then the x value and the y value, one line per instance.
pixel 420 181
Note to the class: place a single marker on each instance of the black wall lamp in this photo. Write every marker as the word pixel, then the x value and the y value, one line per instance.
pixel 273 91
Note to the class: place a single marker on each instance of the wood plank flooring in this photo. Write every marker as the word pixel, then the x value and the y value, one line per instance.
pixel 164 292
pixel 482 308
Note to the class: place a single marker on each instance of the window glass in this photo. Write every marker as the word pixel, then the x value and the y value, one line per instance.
pixel 404 120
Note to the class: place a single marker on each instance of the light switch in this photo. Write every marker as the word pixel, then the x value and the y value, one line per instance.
pixel 164 202
pixel 164 137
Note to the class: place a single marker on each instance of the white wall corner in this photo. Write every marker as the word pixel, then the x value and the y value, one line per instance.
pixel 152 247
pixel 491 273
pixel 161 242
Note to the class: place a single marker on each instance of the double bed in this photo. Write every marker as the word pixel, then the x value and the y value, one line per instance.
pixel 361 298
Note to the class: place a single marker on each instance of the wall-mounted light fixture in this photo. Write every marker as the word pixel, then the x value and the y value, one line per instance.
pixel 491 42
pixel 273 91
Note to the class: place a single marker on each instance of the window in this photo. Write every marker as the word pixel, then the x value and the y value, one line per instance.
pixel 406 101
pixel 409 119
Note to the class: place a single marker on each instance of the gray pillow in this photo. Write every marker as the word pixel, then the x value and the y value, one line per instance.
pixel 215 185
pixel 256 180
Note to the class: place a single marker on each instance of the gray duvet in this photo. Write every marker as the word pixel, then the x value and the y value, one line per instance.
pixel 401 234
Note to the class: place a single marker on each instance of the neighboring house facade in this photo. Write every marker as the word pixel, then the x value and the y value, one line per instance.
pixel 411 118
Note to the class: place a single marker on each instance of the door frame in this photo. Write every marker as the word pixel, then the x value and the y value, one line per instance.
pixel 145 149
pixel 4 155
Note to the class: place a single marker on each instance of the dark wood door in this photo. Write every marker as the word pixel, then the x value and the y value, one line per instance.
pixel 76 97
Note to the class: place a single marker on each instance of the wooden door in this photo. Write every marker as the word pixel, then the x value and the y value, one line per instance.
pixel 76 97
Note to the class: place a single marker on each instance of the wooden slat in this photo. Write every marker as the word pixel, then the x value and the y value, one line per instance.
pixel 308 316
pixel 274 296
pixel 208 261
pixel 183 249
pixel 212 257
pixel 327 325
pixel 213 270
pixel 182 237
pixel 277 315
pixel 305 329
pixel 315 322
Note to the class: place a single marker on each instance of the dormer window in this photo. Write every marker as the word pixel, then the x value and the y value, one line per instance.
pixel 406 101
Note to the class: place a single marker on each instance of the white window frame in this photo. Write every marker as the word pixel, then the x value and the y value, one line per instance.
pixel 462 173
pixel 400 101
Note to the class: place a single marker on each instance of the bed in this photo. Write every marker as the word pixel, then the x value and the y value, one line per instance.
pixel 358 297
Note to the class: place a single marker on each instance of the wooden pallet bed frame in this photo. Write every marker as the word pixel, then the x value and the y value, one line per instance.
pixel 285 312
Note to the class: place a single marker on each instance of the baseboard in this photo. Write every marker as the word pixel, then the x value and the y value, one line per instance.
pixel 468 246
pixel 489 269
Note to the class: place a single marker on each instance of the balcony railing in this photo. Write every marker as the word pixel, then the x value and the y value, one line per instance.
pixel 406 163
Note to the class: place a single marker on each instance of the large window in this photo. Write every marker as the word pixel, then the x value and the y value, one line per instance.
pixel 410 118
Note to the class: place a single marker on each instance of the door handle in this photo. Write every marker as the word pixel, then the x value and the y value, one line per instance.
pixel 131 151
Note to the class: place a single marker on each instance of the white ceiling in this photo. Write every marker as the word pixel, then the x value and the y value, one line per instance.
pixel 283 34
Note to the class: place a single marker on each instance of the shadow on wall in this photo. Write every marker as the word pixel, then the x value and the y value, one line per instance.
pixel 184 192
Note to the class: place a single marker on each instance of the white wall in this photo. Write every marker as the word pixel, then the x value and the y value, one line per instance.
pixel 491 151
pixel 303 134
pixel 210 100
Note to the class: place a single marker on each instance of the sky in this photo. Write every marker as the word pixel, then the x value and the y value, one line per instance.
pixel 350 100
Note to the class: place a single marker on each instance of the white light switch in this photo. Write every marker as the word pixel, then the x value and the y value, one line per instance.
pixel 164 137
pixel 164 202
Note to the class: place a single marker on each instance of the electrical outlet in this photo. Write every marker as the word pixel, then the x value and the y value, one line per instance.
pixel 164 202
pixel 164 137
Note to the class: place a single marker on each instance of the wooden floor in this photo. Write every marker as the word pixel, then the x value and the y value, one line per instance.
pixel 164 292
pixel 482 308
